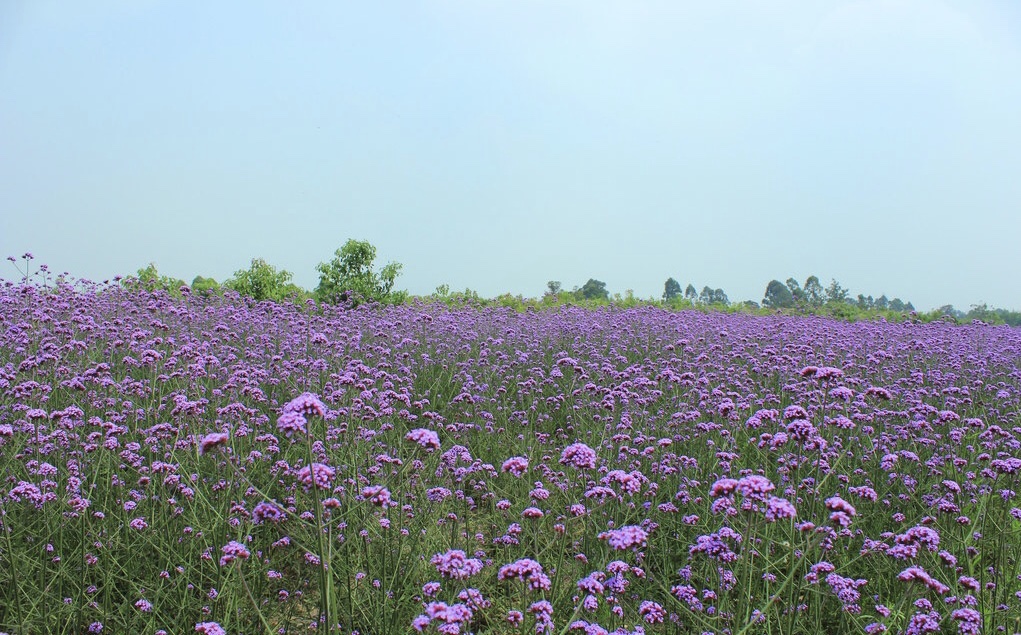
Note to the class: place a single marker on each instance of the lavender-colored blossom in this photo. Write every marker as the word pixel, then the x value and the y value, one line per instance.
pixel 627 537
pixel 455 564
pixel 579 455
pixel 424 437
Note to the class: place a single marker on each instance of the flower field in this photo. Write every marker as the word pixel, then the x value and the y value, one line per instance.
pixel 213 465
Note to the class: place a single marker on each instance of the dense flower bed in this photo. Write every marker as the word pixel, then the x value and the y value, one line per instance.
pixel 219 466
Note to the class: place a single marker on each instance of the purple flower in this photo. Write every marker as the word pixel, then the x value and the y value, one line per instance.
pixel 652 612
pixel 210 628
pixel 307 405
pixel 516 465
pixel 779 508
pixel 579 455
pixel 377 495
pixel 212 441
pixel 232 551
pixel 425 438
pixel 318 474
pixel 267 512
pixel 456 564
pixel 528 571
pixel 626 537
pixel 291 422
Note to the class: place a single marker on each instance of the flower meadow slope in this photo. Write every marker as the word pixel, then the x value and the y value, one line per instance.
pixel 218 466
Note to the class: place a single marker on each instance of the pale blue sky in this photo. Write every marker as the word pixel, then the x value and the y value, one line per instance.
pixel 498 145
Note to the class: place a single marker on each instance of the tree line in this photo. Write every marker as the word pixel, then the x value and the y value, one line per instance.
pixel 351 278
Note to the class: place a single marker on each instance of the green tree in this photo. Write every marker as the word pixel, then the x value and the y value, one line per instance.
pixel 814 293
pixel 777 296
pixel 349 276
pixel 262 281
pixel 594 290
pixel 796 291
pixel 150 279
pixel 671 290
pixel 836 294
pixel 204 286
pixel 690 293
pixel 553 288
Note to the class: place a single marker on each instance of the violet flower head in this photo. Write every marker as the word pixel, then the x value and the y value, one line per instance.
pixel 232 551
pixel 307 405
pixel 212 441
pixel 455 564
pixel 516 465
pixel 377 495
pixel 579 455
pixel 291 422
pixel 528 571
pixel 267 512
pixel 424 437
pixel 318 475
pixel 627 537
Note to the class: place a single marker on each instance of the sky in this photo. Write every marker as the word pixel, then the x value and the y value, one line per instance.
pixel 498 145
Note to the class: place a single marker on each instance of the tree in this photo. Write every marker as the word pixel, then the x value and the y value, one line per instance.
pixel 690 294
pixel 896 304
pixel 836 294
pixel 814 292
pixel 594 290
pixel 204 286
pixel 777 296
pixel 349 276
pixel 553 287
pixel 719 297
pixel 262 281
pixel 796 292
pixel 671 290
pixel 150 279
pixel 882 302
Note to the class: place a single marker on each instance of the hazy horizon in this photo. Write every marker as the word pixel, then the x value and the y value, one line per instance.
pixel 497 146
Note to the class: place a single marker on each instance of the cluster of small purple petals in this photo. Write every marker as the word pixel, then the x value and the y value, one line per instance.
pixel 232 551
pixel 307 405
pixel 916 573
pixel 528 571
pixel 317 475
pixel 579 455
pixel 213 440
pixel 267 512
pixel 627 537
pixel 425 438
pixel 455 564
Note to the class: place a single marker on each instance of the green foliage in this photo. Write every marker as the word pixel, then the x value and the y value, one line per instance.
pixel 778 296
pixel 713 296
pixel 836 294
pixel 671 289
pixel 553 288
pixel 204 286
pixel 593 290
pixel 349 277
pixel 814 293
pixel 262 281
pixel 150 279
pixel 796 291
